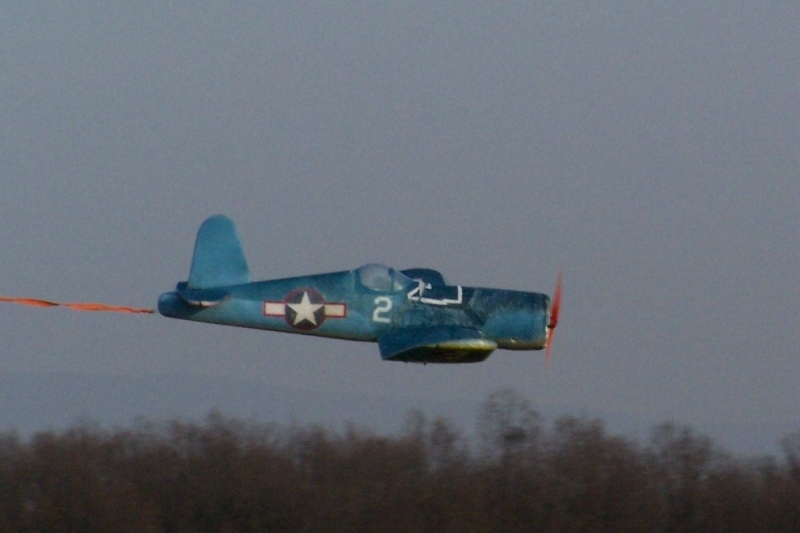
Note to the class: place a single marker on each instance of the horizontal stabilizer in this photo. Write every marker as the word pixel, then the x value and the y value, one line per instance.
pixel 444 344
pixel 218 259
pixel 204 298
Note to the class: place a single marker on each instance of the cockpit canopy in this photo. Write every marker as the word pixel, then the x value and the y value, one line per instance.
pixel 381 278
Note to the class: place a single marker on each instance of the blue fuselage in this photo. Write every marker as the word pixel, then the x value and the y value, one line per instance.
pixel 365 304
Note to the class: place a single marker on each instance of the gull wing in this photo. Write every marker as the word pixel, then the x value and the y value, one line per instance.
pixel 441 344
pixel 428 275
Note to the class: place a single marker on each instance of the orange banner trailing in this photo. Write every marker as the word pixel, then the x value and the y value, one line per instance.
pixel 77 306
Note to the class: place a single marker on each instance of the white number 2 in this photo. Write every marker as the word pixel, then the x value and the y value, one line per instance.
pixel 383 306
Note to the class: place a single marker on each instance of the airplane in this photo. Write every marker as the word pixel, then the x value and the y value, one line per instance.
pixel 413 314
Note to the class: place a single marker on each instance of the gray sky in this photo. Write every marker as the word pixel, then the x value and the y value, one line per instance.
pixel 651 149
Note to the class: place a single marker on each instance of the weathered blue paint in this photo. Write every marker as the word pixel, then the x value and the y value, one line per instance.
pixel 412 314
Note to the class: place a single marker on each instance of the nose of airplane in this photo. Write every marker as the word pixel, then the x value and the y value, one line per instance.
pixel 555 309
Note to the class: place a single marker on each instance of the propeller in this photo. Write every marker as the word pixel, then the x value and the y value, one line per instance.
pixel 555 308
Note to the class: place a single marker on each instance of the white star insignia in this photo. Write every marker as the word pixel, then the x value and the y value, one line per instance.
pixel 305 310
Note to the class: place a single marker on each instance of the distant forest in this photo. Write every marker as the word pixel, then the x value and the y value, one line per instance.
pixel 518 474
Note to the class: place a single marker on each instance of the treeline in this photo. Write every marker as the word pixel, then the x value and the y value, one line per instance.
pixel 225 475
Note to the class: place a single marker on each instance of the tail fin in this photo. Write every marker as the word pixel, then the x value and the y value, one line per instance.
pixel 218 256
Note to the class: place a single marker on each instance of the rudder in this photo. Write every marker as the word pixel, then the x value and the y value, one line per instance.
pixel 218 258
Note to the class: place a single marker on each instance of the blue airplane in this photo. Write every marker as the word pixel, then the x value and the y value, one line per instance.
pixel 413 315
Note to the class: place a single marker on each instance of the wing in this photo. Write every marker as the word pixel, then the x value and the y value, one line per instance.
pixel 427 275
pixel 442 344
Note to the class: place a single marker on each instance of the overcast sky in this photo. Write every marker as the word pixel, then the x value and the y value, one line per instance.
pixel 650 149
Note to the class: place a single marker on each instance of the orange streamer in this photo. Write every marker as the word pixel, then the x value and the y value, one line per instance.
pixel 77 306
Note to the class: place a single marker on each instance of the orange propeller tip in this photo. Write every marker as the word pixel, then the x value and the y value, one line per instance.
pixel 555 310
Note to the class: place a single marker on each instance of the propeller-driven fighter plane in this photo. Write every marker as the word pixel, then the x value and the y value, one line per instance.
pixel 413 315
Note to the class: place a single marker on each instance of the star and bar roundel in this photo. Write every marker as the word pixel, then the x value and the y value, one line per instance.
pixel 305 309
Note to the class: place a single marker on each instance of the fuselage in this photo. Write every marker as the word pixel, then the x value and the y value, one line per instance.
pixel 364 304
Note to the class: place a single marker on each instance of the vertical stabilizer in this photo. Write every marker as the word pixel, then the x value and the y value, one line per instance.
pixel 218 258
